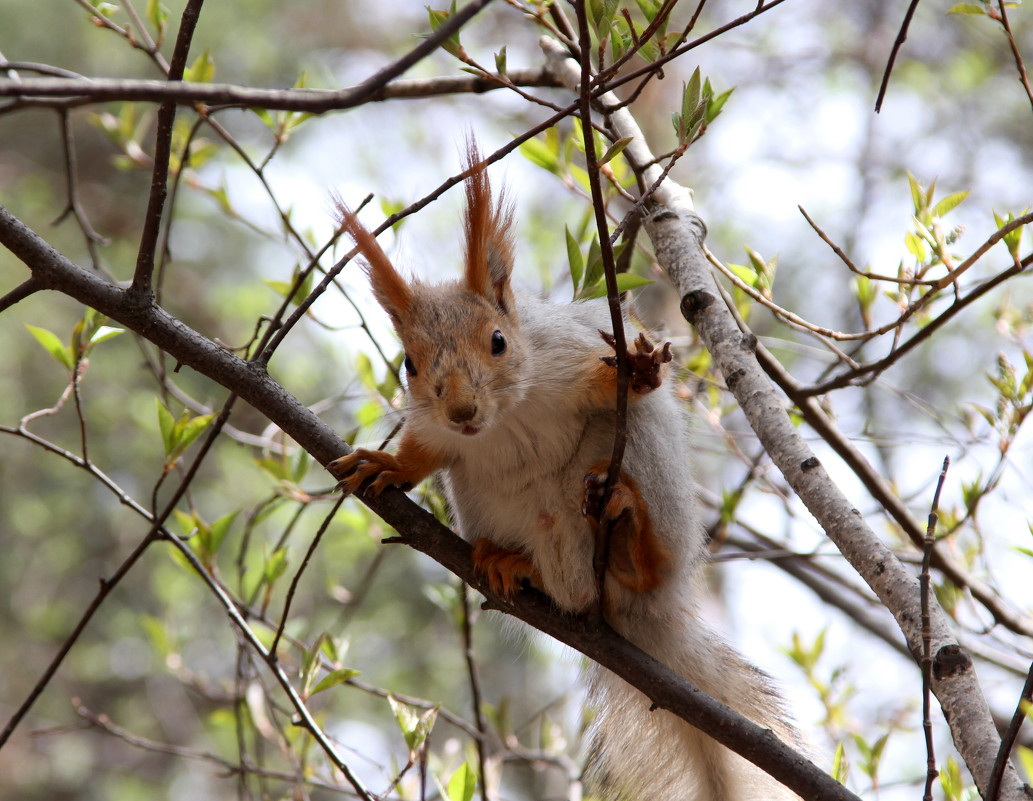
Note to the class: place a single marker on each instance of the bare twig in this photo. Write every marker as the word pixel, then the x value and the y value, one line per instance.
pixel 1020 64
pixel 474 679
pixel 897 44
pixel 927 634
pixel 1008 741
pixel 141 287
pixel 602 545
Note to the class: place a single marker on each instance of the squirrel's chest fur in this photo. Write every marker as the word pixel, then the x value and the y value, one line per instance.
pixel 520 483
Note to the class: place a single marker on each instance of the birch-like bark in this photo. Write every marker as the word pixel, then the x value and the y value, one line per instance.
pixel 677 234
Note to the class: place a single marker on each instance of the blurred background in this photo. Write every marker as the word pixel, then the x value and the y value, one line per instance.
pixel 158 690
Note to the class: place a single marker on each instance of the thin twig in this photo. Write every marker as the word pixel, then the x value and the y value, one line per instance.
pixel 897 44
pixel 1008 740
pixel 602 544
pixel 927 634
pixel 301 569
pixel 473 676
pixel 141 287
pixel 1020 65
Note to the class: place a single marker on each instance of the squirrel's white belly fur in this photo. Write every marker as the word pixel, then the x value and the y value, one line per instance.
pixel 522 487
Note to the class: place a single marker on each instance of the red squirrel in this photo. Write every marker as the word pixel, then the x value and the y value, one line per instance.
pixel 511 402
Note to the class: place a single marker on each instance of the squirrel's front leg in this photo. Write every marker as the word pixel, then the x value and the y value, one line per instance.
pixel 405 469
pixel 636 559
pixel 646 361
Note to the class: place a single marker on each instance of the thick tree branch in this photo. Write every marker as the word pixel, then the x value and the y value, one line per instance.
pixel 416 527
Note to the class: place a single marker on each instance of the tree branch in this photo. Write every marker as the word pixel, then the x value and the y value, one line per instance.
pixel 84 91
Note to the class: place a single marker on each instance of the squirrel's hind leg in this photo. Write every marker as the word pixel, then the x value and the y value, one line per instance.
pixel 636 557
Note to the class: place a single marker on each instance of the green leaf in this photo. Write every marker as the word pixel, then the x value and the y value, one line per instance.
pixel 968 8
pixel 594 266
pixel 202 70
pixel 275 566
pixel 615 149
pixel 218 530
pixel 53 345
pixel 104 333
pixel 629 281
pixel 948 203
pixel 166 422
pixel 574 258
pixel 438 18
pixel 544 155
pixel 333 678
pixel 917 196
pixel 157 15
pixel 415 728
pixel 840 766
pixel 500 61
pixel 190 428
pixel 462 784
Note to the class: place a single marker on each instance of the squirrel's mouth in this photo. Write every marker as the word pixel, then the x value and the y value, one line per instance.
pixel 469 430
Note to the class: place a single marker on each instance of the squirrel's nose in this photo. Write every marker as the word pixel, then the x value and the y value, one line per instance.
pixel 462 413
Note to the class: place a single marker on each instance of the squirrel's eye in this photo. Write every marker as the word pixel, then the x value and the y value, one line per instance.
pixel 498 343
pixel 410 368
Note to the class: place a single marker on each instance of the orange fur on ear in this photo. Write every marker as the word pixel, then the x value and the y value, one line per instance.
pixel 488 229
pixel 392 291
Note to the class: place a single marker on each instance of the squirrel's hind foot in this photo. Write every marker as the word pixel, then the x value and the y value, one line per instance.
pixel 636 559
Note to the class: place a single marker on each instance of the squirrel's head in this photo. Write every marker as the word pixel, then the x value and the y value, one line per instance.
pixel 464 356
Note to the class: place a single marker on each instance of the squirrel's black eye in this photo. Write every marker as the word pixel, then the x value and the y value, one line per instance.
pixel 410 368
pixel 498 343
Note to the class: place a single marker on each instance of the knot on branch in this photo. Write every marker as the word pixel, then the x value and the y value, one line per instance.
pixel 950 661
pixel 694 302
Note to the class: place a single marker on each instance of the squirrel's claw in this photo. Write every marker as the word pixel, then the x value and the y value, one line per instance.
pixel 645 360
pixel 505 569
pixel 359 466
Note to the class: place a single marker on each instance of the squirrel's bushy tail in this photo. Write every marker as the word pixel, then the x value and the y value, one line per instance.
pixel 642 755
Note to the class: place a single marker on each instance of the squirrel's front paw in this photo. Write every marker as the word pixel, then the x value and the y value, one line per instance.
pixel 504 569
pixel 645 361
pixel 353 470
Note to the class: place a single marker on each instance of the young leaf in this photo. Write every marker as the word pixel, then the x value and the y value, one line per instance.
pixel 462 784
pixel 202 70
pixel 166 422
pixel 968 8
pixel 948 203
pixel 615 149
pixel 53 345
pixel 333 678
pixel 275 566
pixel 577 264
pixel 500 61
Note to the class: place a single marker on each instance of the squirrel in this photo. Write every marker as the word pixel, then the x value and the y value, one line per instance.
pixel 511 401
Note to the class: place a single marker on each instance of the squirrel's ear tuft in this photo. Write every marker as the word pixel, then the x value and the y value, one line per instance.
pixel 489 240
pixel 392 291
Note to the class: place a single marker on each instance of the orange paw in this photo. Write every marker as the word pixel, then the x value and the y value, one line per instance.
pixel 504 569
pixel 645 361
pixel 359 466
pixel 637 558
